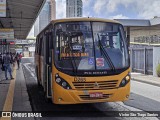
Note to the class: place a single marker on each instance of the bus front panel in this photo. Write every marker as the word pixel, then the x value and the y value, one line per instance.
pixel 90 63
pixel 67 90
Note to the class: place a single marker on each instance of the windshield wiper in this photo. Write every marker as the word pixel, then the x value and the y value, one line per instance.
pixel 102 50
pixel 74 65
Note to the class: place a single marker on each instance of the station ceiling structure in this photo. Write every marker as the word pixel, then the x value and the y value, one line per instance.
pixel 21 15
pixel 140 22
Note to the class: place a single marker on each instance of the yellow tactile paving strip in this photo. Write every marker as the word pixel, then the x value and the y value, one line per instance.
pixel 9 99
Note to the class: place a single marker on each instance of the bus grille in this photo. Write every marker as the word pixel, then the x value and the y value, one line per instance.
pixel 87 97
pixel 112 84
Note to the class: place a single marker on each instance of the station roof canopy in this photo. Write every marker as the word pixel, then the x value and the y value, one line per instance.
pixel 134 22
pixel 21 15
pixel 140 22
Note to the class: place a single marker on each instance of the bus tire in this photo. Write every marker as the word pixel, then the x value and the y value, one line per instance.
pixel 38 83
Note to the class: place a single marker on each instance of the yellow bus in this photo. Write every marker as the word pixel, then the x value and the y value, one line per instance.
pixel 83 60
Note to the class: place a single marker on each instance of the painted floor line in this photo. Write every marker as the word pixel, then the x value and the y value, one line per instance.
pixel 9 99
pixel 30 70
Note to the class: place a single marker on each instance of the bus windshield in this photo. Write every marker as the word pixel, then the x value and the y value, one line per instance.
pixel 90 46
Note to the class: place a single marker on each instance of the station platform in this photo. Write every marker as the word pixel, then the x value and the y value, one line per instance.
pixel 13 93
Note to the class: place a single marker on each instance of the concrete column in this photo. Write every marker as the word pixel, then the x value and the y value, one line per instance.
pixel 156 59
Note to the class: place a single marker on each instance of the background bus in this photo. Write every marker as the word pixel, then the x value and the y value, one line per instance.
pixel 83 60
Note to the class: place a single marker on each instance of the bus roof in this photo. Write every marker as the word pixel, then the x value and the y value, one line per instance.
pixel 84 19
pixel 80 19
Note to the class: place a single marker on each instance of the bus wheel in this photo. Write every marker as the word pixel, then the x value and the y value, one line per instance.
pixel 38 83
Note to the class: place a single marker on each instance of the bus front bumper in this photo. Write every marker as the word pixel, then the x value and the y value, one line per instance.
pixel 63 96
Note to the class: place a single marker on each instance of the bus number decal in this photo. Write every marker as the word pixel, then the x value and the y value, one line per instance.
pixel 79 79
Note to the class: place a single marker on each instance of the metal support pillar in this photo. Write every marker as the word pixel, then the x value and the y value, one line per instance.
pixel 131 59
pixel 144 60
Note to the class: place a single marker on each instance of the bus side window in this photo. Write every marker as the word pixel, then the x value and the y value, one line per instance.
pixel 36 46
pixel 41 46
pixel 51 39
pixel 46 46
pixel 50 45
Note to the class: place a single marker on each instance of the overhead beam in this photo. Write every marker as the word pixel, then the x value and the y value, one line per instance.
pixel 21 4
pixel 20 30
pixel 23 18
pixel 22 12
pixel 21 27
pixel 27 2
pixel 41 6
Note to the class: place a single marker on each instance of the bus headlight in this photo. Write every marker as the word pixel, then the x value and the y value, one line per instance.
pixel 64 84
pixel 60 81
pixel 125 80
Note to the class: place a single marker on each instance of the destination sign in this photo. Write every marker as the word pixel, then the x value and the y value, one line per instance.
pixel 74 54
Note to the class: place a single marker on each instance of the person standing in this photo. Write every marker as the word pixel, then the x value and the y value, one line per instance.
pixel 20 57
pixel 2 63
pixel 12 59
pixel 7 66
pixel 17 59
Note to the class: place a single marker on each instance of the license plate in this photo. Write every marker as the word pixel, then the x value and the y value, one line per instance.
pixel 96 95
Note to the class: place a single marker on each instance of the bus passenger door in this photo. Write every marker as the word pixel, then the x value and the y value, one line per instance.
pixel 48 65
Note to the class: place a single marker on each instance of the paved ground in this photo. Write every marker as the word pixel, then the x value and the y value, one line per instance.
pixel 146 90
pixel 38 101
pixel 13 94
pixel 29 97
pixel 149 79
pixel 4 85
pixel 21 98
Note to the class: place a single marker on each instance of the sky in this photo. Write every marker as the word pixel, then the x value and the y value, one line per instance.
pixel 114 9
